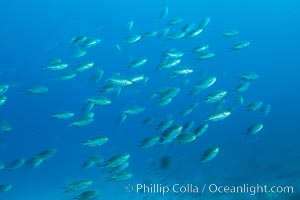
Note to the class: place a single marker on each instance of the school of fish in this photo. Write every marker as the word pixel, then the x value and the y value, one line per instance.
pixel 174 64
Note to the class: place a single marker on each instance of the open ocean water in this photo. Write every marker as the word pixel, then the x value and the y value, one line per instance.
pixel 144 54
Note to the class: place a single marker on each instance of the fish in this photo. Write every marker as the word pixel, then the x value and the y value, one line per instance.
pixel 83 121
pixel 200 49
pixel 78 53
pixel 132 39
pixel 188 125
pixel 46 154
pixel 15 164
pixel 35 161
pixel 215 96
pixel 5 187
pixel 169 63
pixel 255 106
pixel 185 82
pixel 96 141
pixel 100 101
pixel 88 164
pixel 242 87
pixel 175 21
pixel 240 45
pixel 164 101
pixel 173 53
pixel 209 154
pixel 78 185
pixel 239 100
pixel 170 134
pixel 84 66
pixel 122 176
pixel 3 100
pixel 84 41
pixel 170 92
pixel 249 76
pixel 147 121
pixel 56 67
pixel 176 35
pixel 88 108
pixel 185 138
pixel 120 81
pixel 118 47
pixel 110 87
pixel 165 32
pixel 97 159
pixel 189 109
pixel 121 118
pixel 88 195
pixel 230 33
pixel 37 90
pixel 266 110
pixel 78 41
pixel 254 129
pixel 67 75
pixel 149 142
pixel 164 13
pixel 202 85
pixel 63 115
pixel 92 161
pixel 139 78
pixel 182 71
pixel 90 42
pixel 55 60
pixel 194 33
pixel 134 110
pixel 204 22
pixel 150 34
pixel 165 124
pixel 220 115
pixel 2 166
pixel 219 105
pixel 200 130
pixel 5 126
pixel 120 168
pixel 129 25
pixel 165 162
pixel 97 76
pixel 206 56
pixel 137 63
pixel 188 27
pixel 116 160
pixel 186 112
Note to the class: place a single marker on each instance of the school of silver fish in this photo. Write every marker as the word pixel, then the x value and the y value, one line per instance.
pixel 174 64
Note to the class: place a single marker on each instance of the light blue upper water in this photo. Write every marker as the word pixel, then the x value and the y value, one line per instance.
pixel 32 32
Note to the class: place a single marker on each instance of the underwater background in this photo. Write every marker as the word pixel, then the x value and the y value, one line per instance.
pixel 33 32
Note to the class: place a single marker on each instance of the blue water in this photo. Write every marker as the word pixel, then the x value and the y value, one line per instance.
pixel 34 31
